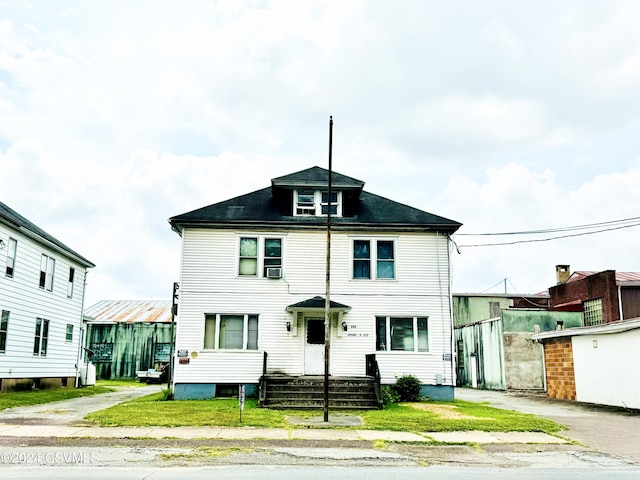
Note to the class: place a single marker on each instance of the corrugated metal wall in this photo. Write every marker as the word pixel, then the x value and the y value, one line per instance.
pixel 123 348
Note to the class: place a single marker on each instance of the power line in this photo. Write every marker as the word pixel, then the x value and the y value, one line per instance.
pixel 546 239
pixel 633 221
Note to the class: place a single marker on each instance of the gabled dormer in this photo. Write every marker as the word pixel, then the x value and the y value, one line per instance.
pixel 305 193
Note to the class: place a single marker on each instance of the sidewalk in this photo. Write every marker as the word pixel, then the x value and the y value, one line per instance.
pixel 9 430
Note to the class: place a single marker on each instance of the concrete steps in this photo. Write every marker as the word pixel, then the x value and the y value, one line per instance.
pixel 307 392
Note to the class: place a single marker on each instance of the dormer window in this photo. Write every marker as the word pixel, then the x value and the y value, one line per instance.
pixel 305 202
pixel 316 203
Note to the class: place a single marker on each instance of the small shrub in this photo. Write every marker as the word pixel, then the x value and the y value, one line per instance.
pixel 167 394
pixel 388 396
pixel 407 388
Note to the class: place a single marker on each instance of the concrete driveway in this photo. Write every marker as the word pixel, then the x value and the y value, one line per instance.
pixel 72 411
pixel 608 430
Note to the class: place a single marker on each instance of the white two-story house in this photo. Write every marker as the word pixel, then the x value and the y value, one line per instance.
pixel 253 288
pixel 42 284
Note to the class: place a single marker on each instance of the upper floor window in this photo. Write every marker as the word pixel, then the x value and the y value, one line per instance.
pixel 236 332
pixel 72 273
pixel 4 327
pixel 316 202
pixel 592 312
pixel 260 254
pixel 41 337
pixel 374 259
pixel 11 256
pixel 406 334
pixel 47 268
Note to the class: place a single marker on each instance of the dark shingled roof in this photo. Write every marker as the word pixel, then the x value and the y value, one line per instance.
pixel 318 302
pixel 317 176
pixel 262 208
pixel 17 221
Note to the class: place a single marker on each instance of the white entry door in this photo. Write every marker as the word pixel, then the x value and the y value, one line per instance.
pixel 314 346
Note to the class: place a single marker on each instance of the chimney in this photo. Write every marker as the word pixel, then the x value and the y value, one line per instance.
pixel 563 272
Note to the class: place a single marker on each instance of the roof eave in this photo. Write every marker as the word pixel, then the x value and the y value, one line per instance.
pixel 287 225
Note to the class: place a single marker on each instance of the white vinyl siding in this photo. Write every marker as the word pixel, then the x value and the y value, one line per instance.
pixel 210 283
pixel 22 297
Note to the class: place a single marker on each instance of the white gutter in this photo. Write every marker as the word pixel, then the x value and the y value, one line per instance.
pixel 604 329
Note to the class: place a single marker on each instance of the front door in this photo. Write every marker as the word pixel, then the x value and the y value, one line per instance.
pixel 314 346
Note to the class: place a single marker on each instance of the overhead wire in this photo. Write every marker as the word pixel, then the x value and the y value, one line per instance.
pixel 611 225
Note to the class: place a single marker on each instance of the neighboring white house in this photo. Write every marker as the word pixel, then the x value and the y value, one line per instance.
pixel 253 281
pixel 42 284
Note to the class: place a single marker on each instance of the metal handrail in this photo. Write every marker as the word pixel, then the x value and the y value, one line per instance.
pixel 263 380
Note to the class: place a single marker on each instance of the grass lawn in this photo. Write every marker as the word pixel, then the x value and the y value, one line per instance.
pixel 37 397
pixel 151 410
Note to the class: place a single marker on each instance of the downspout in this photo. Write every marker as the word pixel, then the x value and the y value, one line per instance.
pixel 620 301
pixel 81 338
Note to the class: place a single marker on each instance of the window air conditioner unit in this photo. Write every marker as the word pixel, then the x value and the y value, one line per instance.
pixel 274 272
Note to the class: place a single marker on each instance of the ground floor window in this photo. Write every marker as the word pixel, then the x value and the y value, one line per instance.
pixel 405 334
pixel 231 332
pixel 4 327
pixel 41 337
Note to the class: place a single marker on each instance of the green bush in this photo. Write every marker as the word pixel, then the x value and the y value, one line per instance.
pixel 407 388
pixel 388 396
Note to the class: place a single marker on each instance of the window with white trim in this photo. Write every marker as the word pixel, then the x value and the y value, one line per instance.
pixel 4 327
pixel 230 332
pixel 309 202
pixel 72 274
pixel 402 334
pixel 12 246
pixel 41 338
pixel 69 334
pixel 374 257
pixel 260 254
pixel 47 269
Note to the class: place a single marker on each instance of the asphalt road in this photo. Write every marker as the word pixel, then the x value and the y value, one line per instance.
pixel 318 473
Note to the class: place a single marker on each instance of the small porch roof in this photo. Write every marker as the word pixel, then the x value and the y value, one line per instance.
pixel 317 303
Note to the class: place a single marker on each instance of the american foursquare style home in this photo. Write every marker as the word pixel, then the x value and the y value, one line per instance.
pixel 253 283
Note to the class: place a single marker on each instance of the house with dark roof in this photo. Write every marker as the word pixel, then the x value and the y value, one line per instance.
pixel 253 307
pixel 42 284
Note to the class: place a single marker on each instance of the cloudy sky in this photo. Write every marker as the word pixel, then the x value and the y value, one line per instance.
pixel 505 116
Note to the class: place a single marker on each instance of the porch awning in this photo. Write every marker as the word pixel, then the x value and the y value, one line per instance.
pixel 318 303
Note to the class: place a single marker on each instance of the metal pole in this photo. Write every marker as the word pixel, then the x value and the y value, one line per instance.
pixel 174 311
pixel 327 303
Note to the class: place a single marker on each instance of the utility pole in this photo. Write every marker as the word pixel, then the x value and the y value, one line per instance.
pixel 327 302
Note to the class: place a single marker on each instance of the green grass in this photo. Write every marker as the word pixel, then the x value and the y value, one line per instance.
pixel 463 416
pixel 37 397
pixel 151 410
pixel 121 382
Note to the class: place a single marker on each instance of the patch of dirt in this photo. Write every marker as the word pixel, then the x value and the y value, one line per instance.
pixel 444 411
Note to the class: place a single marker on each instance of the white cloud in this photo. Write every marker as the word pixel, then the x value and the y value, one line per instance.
pixel 114 117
